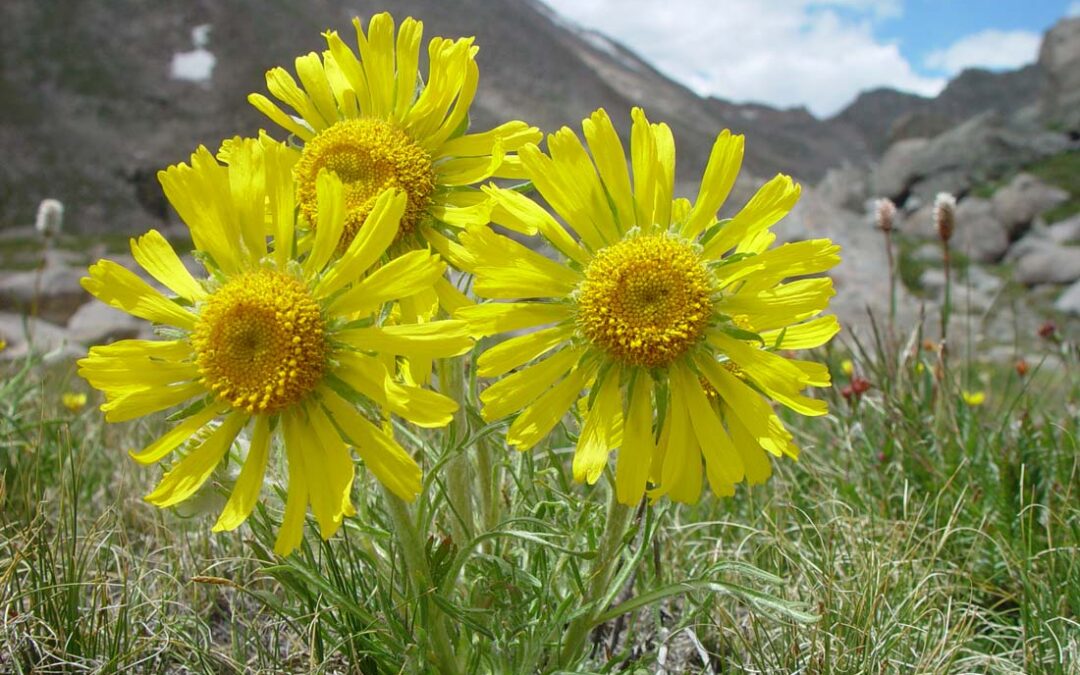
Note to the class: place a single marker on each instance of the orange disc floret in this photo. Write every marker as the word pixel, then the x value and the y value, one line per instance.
pixel 645 300
pixel 368 155
pixel 260 341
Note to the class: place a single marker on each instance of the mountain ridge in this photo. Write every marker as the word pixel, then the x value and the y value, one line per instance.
pixel 88 113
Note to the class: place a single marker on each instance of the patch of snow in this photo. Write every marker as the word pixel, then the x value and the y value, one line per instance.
pixel 198 64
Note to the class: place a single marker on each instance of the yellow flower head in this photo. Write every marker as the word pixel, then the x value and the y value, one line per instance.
pixel 973 398
pixel 847 367
pixel 656 306
pixel 281 338
pixel 373 121
pixel 73 401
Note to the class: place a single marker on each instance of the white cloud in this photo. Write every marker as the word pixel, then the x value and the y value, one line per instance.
pixel 987 49
pixel 818 53
pixel 1073 9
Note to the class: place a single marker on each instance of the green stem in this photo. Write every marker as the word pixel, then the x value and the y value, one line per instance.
pixel 607 553
pixel 412 550
pixel 946 306
pixel 892 286
pixel 458 484
pixel 490 479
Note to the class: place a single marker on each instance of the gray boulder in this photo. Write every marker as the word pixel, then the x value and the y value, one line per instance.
pixel 56 289
pixel 1069 301
pixel 1065 232
pixel 984 147
pixel 980 234
pixel 97 323
pixel 847 187
pixel 1048 263
pixel 1059 58
pixel 1025 197
pixel 24 335
pixel 894 175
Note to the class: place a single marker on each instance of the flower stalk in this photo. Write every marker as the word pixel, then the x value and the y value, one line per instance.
pixel 608 552
pixel 412 551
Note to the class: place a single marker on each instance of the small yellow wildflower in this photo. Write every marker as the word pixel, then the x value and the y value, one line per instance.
pixel 656 305
pixel 973 398
pixel 73 401
pixel 847 367
pixel 282 339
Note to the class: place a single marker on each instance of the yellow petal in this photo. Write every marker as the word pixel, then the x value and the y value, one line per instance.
pixel 139 402
pixel 169 350
pixel 786 261
pixel 579 178
pixel 758 467
pixel 291 532
pixel 247 194
pixel 747 405
pixel 722 462
pixel 175 437
pixel 310 70
pixel 635 456
pixel 284 88
pixel 245 493
pixel 610 157
pixel 119 375
pixel 377 58
pixel 771 203
pixel 328 467
pixel 381 454
pixel 538 419
pixel 511 135
pixel 330 193
pixel 345 59
pixel 406 275
pixel 807 335
pixel 200 194
pixel 680 476
pixel 154 253
pixel 778 378
pixel 436 339
pixel 280 117
pixel 370 243
pixel 720 173
pixel 123 289
pixel 410 34
pixel 560 190
pixel 491 318
pixel 504 357
pixel 514 392
pixel 781 306
pixel 190 473
pixel 602 430
pixel 517 212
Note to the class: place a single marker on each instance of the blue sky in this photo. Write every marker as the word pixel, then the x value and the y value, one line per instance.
pixel 820 53
pixel 926 26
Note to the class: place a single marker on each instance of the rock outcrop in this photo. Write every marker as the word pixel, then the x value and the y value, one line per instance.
pixel 1059 58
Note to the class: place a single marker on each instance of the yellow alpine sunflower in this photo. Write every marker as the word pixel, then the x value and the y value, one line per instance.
pixel 670 327
pixel 372 120
pixel 286 345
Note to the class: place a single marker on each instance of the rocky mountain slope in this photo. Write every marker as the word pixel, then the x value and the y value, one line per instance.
pixel 89 110
pixel 92 104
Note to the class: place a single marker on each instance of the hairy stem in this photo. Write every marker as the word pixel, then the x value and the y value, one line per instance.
pixel 412 550
pixel 608 552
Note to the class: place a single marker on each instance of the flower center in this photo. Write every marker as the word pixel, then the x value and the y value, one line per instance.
pixel 369 156
pixel 260 341
pixel 645 300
